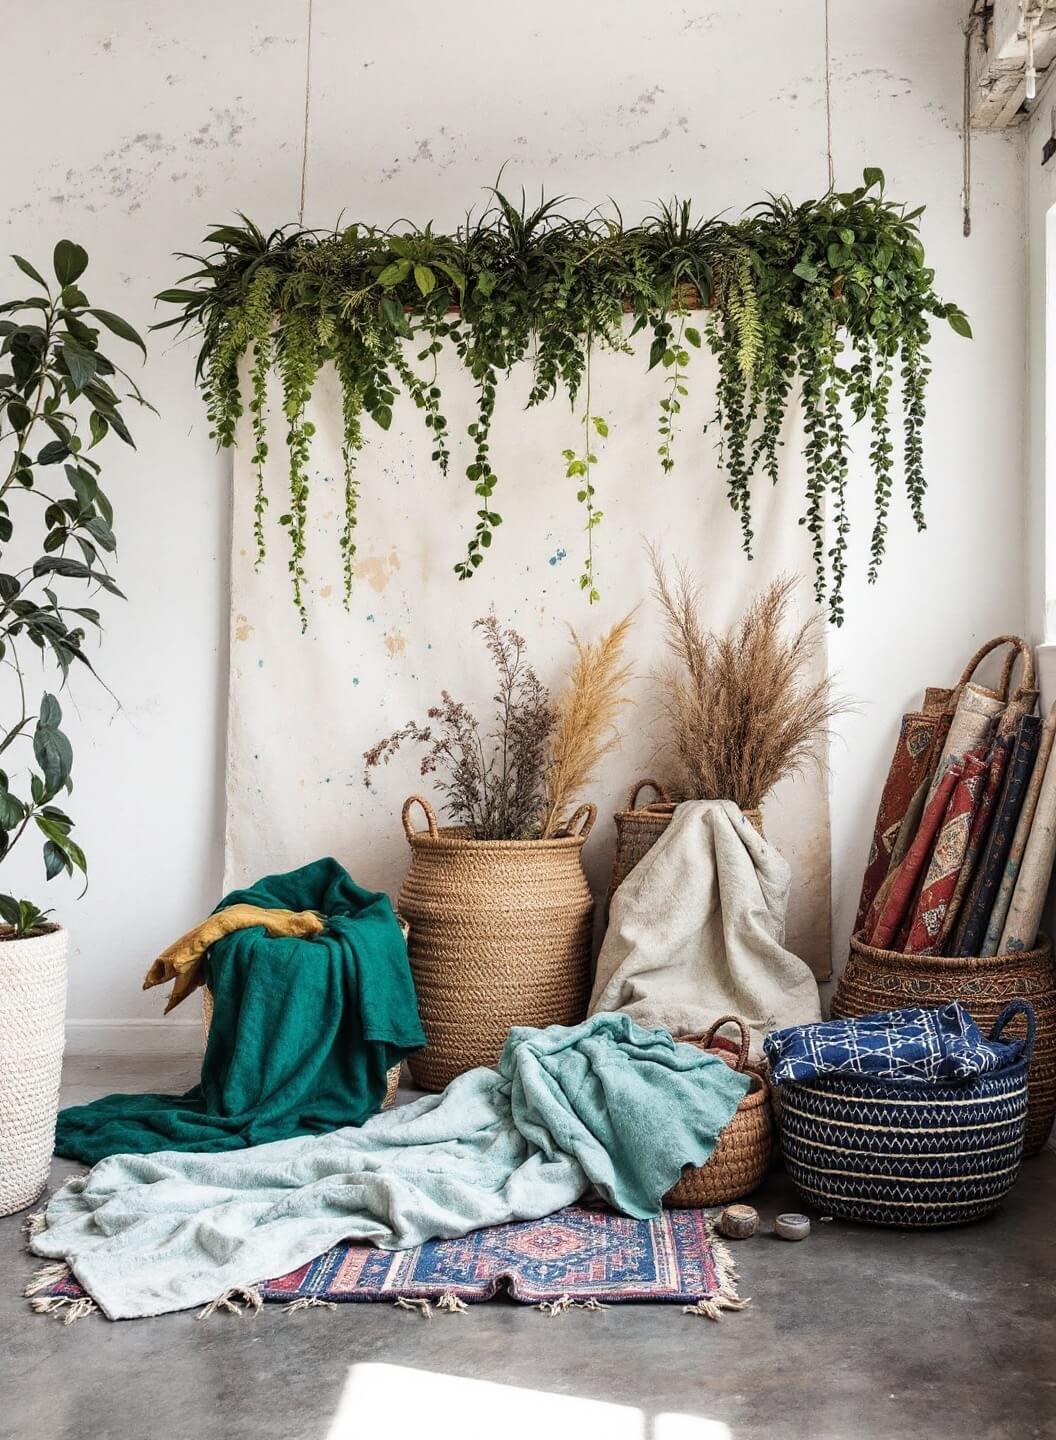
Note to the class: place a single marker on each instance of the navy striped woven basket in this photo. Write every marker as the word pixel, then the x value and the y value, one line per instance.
pixel 911 1153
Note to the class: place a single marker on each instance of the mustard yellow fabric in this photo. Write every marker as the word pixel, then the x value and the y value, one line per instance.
pixel 184 960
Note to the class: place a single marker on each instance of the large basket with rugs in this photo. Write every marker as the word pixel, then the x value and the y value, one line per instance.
pixel 639 827
pixel 911 1153
pixel 392 1078
pixel 741 1159
pixel 500 936
pixel 876 980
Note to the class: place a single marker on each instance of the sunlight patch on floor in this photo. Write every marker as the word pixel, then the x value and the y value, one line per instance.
pixel 456 1407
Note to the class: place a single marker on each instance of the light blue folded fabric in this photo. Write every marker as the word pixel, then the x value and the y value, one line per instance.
pixel 605 1104
pixel 911 1044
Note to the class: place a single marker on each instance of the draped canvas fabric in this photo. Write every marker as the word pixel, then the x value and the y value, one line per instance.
pixel 304 708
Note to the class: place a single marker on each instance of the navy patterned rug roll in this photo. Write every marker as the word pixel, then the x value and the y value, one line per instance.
pixel 913 1153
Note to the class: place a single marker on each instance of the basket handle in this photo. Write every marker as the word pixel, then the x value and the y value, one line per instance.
pixel 430 816
pixel 588 813
pixel 708 1037
pixel 1011 1010
pixel 661 793
pixel 1019 647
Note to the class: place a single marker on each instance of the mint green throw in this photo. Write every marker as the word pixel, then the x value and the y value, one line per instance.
pixel 604 1105
pixel 303 1030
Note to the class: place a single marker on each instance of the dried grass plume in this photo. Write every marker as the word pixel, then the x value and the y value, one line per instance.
pixel 744 711
pixel 585 724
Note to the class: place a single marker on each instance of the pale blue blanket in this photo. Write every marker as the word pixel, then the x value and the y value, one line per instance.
pixel 604 1105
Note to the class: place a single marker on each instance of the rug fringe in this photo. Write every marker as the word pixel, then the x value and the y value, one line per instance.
pixel 307 1302
pixel 712 1306
pixel 564 1303
pixel 252 1302
pixel 414 1302
pixel 35 1224
pixel 64 1307
pixel 47 1276
pixel 450 1301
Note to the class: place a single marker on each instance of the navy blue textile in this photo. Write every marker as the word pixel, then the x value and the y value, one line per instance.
pixel 910 1044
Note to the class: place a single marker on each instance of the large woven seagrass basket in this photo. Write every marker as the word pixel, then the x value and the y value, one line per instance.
pixel 887 980
pixel 741 1159
pixel 909 1153
pixel 392 1078
pixel 639 827
pixel 500 936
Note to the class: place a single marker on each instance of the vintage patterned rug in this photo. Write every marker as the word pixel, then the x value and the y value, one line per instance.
pixel 579 1256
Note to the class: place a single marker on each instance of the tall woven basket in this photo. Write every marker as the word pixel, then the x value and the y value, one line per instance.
pixel 32 1038
pixel 500 936
pixel 888 980
pixel 741 1159
pixel 911 1153
pixel 639 827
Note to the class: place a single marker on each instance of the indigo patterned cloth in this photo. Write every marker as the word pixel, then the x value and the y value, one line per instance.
pixel 908 1044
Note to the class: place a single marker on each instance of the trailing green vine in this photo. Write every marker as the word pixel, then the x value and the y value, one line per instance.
pixel 833 295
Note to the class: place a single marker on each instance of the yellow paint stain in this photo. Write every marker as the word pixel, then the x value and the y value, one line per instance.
pixel 243 629
pixel 395 643
pixel 378 570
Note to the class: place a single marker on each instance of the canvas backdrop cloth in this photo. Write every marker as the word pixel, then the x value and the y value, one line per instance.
pixel 605 1104
pixel 696 931
pixel 303 708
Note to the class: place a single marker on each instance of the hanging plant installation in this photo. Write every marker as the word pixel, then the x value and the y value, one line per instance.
pixel 833 293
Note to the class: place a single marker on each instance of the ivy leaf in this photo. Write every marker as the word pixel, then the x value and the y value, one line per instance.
pixel 70 262
pixel 805 270
pixel 873 176
pixel 601 426
pixel 424 279
pixel 692 334
pixel 657 351
pixel 394 273
pixel 959 322
pixel 382 415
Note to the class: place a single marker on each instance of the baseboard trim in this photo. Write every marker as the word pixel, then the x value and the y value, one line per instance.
pixel 134 1037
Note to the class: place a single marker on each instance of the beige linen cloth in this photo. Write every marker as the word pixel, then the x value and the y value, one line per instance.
pixel 697 931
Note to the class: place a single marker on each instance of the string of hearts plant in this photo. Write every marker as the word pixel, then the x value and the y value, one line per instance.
pixel 833 294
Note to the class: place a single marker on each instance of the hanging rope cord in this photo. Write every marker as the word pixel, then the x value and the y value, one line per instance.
pixel 307 113
pixel 828 100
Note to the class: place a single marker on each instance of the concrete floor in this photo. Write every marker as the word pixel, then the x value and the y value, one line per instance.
pixel 856 1334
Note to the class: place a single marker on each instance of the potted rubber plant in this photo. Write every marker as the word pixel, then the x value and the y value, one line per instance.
pixel 60 399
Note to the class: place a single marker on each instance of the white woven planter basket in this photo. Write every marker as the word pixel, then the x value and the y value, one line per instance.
pixel 32 1036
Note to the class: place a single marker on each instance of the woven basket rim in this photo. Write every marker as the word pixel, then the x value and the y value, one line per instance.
pixel 454 837
pixel 664 809
pixel 953 964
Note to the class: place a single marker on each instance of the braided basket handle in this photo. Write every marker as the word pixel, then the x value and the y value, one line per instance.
pixel 661 793
pixel 708 1038
pixel 588 814
pixel 1018 647
pixel 430 816
pixel 1011 1010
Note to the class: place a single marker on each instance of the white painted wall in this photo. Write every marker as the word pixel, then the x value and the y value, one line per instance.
pixel 160 120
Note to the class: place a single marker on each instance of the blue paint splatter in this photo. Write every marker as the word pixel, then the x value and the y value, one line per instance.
pixel 355 679
pixel 370 616
pixel 558 556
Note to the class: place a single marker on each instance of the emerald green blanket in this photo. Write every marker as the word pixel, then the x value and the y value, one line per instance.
pixel 303 1031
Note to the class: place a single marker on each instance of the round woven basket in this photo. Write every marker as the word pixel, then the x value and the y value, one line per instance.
pixel 32 1038
pixel 639 827
pixel 500 936
pixel 741 1159
pixel 911 1153
pixel 392 1079
pixel 877 980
